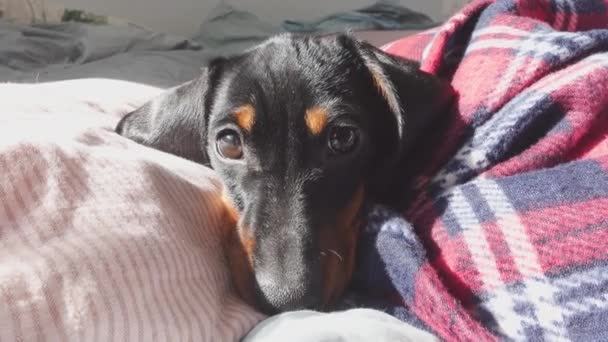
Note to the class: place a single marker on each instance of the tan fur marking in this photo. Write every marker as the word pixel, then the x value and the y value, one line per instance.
pixel 238 247
pixel 248 243
pixel 316 119
pixel 341 238
pixel 245 116
pixel 385 87
pixel 380 82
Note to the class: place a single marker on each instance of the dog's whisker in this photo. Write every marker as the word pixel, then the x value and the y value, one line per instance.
pixel 332 251
pixel 336 254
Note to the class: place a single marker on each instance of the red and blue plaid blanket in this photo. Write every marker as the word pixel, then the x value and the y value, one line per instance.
pixel 506 237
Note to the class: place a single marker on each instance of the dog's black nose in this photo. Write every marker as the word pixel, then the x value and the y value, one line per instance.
pixel 287 293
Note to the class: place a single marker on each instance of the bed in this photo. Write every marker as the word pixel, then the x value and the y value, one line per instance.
pixel 153 269
pixel 504 237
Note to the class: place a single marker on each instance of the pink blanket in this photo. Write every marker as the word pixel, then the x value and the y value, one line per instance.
pixel 102 239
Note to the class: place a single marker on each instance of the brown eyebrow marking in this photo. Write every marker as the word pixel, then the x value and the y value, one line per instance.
pixel 245 116
pixel 316 119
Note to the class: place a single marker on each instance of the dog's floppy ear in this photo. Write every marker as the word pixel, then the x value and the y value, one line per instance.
pixel 175 121
pixel 413 98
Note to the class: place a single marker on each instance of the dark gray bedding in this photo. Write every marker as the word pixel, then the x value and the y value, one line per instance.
pixel 51 52
pixel 74 50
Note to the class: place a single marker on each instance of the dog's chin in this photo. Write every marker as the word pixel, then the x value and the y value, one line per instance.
pixel 274 299
pixel 272 292
pixel 271 297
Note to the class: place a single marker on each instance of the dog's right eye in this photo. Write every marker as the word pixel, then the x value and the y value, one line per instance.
pixel 343 139
pixel 229 144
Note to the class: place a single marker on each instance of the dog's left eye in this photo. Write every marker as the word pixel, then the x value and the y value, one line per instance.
pixel 343 139
pixel 229 144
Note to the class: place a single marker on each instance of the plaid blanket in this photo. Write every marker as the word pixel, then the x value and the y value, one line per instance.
pixel 506 233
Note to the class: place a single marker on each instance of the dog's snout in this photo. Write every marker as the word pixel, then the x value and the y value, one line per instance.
pixel 286 269
pixel 287 291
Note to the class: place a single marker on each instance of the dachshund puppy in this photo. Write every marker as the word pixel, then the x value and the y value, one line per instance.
pixel 302 130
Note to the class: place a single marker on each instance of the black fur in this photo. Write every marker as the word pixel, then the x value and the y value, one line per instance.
pixel 288 185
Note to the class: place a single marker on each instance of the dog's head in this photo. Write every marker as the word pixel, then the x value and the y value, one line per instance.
pixel 301 130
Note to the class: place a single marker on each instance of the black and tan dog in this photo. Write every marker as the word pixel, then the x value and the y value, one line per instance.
pixel 301 130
